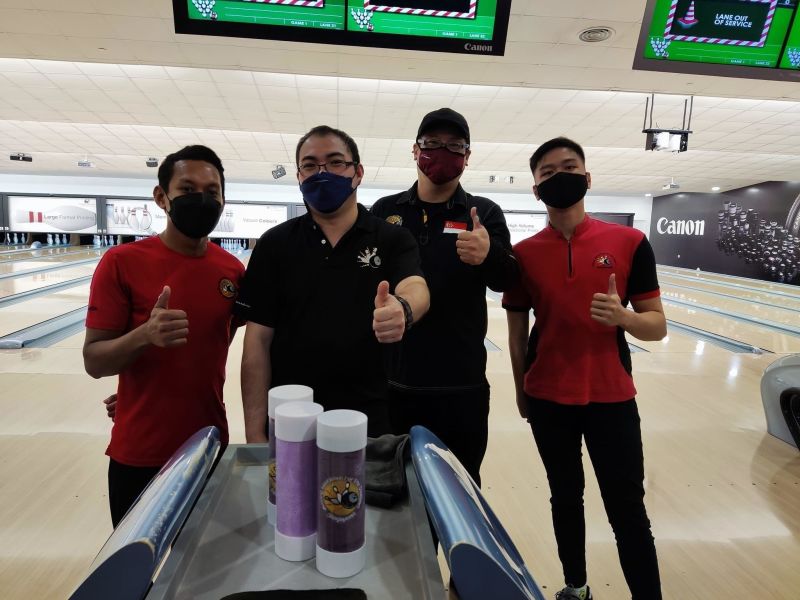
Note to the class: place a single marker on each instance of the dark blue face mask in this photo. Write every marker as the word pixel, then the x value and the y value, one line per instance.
pixel 326 192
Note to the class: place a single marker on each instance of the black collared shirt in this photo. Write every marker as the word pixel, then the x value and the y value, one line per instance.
pixel 320 302
pixel 445 350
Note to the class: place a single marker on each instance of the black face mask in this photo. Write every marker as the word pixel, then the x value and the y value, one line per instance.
pixel 563 189
pixel 195 214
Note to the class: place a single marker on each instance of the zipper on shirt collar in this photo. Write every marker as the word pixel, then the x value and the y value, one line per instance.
pixel 569 256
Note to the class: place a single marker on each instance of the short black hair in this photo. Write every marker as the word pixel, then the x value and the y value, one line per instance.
pixel 324 130
pixel 203 153
pixel 559 142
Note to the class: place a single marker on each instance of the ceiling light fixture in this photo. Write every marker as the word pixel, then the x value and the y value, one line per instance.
pixel 715 188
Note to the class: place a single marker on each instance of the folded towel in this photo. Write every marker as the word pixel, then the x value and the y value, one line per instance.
pixel 385 470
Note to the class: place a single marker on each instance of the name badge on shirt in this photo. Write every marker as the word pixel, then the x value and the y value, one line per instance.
pixel 454 227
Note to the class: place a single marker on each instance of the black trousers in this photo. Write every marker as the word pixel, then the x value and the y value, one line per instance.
pixel 125 483
pixel 460 419
pixel 614 440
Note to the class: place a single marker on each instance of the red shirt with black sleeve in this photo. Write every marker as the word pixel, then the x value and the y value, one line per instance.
pixel 573 359
pixel 166 394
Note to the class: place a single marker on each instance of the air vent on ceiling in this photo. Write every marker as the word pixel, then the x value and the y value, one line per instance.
pixel 596 34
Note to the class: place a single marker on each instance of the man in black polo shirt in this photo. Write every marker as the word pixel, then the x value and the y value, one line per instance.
pixel 316 294
pixel 438 377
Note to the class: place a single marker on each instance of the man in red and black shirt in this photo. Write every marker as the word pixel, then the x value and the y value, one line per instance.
pixel 573 374
pixel 160 317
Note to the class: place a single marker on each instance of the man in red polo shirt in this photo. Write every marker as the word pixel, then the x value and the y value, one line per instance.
pixel 160 317
pixel 573 374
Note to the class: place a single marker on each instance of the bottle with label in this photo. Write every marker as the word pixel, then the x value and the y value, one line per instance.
pixel 296 480
pixel 277 396
pixel 341 444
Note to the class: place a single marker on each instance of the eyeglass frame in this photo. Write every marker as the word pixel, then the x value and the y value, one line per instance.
pixel 422 143
pixel 347 164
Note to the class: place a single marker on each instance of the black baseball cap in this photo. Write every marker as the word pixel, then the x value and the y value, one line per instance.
pixel 444 116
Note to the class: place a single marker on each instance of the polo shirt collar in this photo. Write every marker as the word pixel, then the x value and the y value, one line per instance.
pixel 581 228
pixel 364 221
pixel 411 196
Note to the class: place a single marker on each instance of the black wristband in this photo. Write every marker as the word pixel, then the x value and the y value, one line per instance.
pixel 407 310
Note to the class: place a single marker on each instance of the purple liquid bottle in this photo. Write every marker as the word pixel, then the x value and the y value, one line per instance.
pixel 296 480
pixel 277 396
pixel 341 510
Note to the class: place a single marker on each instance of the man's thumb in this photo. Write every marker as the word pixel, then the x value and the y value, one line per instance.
pixel 612 285
pixel 476 221
pixel 163 299
pixel 383 294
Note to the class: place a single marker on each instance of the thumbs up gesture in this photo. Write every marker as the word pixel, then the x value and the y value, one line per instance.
pixel 607 308
pixel 473 246
pixel 166 328
pixel 388 319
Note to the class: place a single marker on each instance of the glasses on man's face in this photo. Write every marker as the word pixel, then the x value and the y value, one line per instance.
pixel 434 144
pixel 337 166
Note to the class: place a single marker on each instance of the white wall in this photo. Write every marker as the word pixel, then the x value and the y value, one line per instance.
pixel 640 206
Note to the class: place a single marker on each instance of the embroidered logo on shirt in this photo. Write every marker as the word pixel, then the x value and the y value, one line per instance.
pixel 604 261
pixel 369 258
pixel 394 220
pixel 227 289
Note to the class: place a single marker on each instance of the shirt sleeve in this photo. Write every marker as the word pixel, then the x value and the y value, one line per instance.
pixel 109 301
pixel 643 280
pixel 258 298
pixel 517 298
pixel 404 256
pixel 500 270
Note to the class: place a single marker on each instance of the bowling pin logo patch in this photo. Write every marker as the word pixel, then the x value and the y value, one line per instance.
pixel 227 289
pixel 369 258
pixel 604 261
pixel 341 498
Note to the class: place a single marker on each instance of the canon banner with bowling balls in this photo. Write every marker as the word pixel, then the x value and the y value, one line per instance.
pixel 748 232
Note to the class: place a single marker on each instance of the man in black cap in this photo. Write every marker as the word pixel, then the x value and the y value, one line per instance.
pixel 438 378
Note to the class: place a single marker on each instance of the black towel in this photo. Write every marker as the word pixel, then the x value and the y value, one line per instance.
pixel 385 470
pixel 342 594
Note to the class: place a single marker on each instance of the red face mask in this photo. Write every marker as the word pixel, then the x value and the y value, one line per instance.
pixel 441 165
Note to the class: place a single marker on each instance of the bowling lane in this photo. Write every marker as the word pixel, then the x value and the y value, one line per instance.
pixel 31 312
pixel 40 253
pixel 737 330
pixel 35 281
pixel 782 316
pixel 752 296
pixel 40 262
pixel 736 281
pixel 678 343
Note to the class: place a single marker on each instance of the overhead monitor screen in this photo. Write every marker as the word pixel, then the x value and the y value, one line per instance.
pixel 463 26
pixel 737 38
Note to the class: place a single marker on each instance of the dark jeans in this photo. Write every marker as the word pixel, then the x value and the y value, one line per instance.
pixel 459 419
pixel 614 441
pixel 125 483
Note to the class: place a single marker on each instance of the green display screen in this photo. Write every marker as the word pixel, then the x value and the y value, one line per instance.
pixel 746 33
pixel 466 26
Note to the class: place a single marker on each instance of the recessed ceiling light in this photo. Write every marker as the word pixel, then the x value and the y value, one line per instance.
pixel 715 188
pixel 648 195
pixel 595 34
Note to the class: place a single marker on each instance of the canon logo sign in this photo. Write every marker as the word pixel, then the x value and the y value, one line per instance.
pixel 665 226
pixel 478 47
